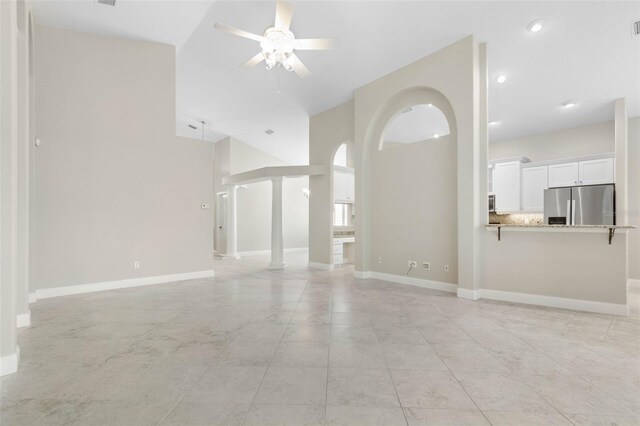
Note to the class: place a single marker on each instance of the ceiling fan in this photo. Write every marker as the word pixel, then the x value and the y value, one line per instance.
pixel 278 43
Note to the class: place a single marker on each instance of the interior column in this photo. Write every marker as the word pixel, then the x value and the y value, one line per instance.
pixel 277 244
pixel 232 226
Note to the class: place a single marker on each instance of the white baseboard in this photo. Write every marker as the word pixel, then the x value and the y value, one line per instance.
pixel 323 266
pixel 362 275
pixel 633 284
pixel 231 256
pixel 555 302
pixel 468 294
pixel 113 285
pixel 263 252
pixel 32 297
pixel 23 320
pixel 418 282
pixel 9 363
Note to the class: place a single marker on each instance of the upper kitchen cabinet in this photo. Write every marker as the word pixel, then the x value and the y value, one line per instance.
pixel 534 182
pixel 506 186
pixel 343 185
pixel 588 172
pixel 565 174
pixel 595 172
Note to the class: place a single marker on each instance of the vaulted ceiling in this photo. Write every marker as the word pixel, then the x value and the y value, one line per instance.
pixel 585 53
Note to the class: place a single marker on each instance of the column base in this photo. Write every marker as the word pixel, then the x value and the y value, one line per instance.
pixel 230 256
pixel 275 266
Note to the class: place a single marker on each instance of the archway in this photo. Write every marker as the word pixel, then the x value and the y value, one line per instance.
pixel 342 199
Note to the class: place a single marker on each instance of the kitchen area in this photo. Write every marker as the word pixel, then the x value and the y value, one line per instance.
pixel 557 230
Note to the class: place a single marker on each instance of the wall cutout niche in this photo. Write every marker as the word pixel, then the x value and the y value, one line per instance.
pixel 414 124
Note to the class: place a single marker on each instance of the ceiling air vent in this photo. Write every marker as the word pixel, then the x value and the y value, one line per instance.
pixel 635 28
pixel 107 2
pixel 269 131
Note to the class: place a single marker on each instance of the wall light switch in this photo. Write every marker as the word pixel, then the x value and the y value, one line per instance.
pixel 136 265
pixel 205 205
pixel 426 265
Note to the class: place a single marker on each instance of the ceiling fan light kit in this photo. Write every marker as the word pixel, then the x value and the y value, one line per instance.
pixel 278 43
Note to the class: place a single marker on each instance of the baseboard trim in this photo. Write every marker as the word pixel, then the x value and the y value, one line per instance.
pixel 9 363
pixel 555 302
pixel 262 252
pixel 23 320
pixel 418 282
pixel 113 285
pixel 32 297
pixel 323 266
pixel 362 275
pixel 633 284
pixel 465 293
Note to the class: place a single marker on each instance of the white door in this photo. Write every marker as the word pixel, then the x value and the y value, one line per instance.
pixel 506 186
pixel 565 174
pixel 221 227
pixel 595 172
pixel 534 182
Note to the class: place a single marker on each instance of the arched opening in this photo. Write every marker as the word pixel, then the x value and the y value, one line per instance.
pixel 343 201
pixel 415 124
pixel 411 173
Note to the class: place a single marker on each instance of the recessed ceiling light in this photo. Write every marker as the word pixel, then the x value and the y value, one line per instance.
pixel 535 26
pixel 269 131
pixel 436 135
pixel 568 104
pixel 501 78
pixel 494 122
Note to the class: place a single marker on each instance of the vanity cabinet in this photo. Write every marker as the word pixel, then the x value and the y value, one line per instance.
pixel 534 182
pixel 343 186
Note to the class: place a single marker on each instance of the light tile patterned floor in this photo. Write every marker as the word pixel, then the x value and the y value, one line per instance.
pixel 302 347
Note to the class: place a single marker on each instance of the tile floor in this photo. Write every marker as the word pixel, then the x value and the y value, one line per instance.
pixel 302 347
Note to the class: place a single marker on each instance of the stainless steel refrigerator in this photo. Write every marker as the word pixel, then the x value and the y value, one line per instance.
pixel 580 205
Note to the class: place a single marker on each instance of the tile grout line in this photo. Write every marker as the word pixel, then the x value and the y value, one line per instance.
pixel 244 418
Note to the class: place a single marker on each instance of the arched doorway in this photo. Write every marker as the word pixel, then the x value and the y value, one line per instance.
pixel 343 202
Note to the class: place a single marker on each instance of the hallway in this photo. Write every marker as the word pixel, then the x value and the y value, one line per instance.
pixel 252 346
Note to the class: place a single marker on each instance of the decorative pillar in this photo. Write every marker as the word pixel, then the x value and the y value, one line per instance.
pixel 277 244
pixel 232 226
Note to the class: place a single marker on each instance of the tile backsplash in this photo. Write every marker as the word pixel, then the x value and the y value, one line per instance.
pixel 516 219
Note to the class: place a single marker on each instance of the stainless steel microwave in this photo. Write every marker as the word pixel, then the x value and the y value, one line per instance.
pixel 492 203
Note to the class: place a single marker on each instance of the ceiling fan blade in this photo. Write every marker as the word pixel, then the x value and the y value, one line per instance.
pixel 253 61
pixel 298 66
pixel 284 11
pixel 316 43
pixel 238 32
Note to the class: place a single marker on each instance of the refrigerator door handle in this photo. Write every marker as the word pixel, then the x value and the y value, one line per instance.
pixel 568 212
pixel 573 212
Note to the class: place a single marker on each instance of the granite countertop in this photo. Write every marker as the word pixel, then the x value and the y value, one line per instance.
pixel 542 225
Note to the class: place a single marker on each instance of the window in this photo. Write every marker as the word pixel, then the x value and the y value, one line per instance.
pixel 341 214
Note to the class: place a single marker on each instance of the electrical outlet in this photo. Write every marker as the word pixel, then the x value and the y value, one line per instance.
pixel 426 266
pixel 412 263
pixel 446 268
pixel 379 260
pixel 136 265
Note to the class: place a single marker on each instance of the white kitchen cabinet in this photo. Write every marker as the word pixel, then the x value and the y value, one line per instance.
pixel 343 186
pixel 594 172
pixel 565 174
pixel 506 186
pixel 534 182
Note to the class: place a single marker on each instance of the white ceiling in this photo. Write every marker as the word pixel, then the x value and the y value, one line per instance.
pixel 585 53
pixel 419 123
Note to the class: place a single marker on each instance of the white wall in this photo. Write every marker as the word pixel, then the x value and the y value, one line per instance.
pixel 113 184
pixel 327 131
pixel 634 197
pixel 254 201
pixel 585 140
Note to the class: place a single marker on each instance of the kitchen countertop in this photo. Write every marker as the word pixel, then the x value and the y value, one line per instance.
pixel 542 225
